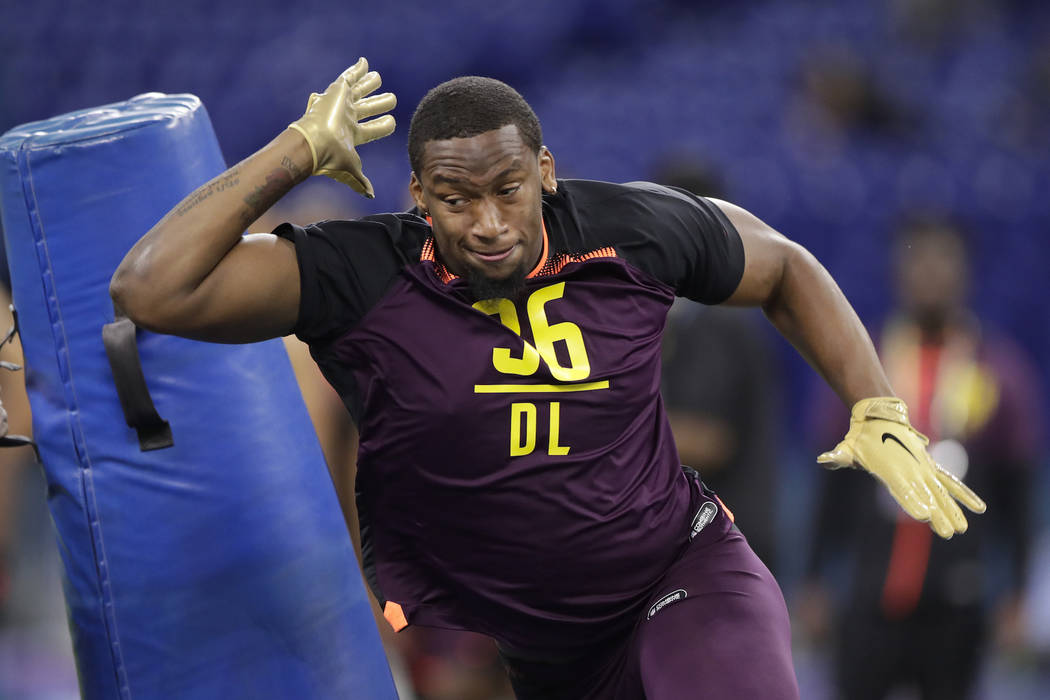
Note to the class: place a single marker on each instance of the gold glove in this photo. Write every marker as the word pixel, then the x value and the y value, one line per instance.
pixel 333 128
pixel 882 441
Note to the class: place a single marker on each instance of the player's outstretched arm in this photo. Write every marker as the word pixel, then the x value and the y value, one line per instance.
pixel 194 274
pixel 802 300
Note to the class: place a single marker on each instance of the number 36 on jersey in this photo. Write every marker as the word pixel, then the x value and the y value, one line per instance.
pixel 524 416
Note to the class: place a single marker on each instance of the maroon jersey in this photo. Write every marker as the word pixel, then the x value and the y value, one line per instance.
pixel 517 474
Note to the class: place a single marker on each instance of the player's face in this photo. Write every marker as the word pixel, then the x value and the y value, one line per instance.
pixel 483 194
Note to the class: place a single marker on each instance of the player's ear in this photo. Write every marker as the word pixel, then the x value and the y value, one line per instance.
pixel 415 188
pixel 547 178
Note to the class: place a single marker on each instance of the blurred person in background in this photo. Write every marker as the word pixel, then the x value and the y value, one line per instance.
pixel 36 658
pixel 14 418
pixel 917 610
pixel 721 388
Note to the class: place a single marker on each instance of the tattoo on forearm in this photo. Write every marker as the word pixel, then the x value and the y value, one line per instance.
pixel 289 165
pixel 259 200
pixel 279 181
pixel 223 182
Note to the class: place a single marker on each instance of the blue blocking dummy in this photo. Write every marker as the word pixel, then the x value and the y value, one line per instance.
pixel 219 567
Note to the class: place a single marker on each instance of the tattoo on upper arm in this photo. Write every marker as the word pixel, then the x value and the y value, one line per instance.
pixel 225 181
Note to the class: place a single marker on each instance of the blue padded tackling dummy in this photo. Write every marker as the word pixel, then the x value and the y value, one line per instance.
pixel 219 567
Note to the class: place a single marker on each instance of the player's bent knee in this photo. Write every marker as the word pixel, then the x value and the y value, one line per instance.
pixel 732 656
pixel 730 640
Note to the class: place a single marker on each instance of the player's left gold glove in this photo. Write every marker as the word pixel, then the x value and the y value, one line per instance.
pixel 333 126
pixel 883 442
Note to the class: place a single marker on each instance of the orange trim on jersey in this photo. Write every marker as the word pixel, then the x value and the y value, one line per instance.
pixel 395 616
pixel 546 267
pixel 555 264
pixel 543 255
pixel 732 518
pixel 429 254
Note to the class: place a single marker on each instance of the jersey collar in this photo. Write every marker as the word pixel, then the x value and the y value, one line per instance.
pixel 429 254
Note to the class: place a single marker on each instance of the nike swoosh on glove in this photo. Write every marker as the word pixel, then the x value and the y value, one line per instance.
pixel 882 441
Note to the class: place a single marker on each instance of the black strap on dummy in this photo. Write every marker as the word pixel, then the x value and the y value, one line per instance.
pixel 139 412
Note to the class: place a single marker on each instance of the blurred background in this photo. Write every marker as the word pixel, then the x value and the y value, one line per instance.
pixel 875 133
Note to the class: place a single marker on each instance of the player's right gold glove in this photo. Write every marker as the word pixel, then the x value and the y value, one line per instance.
pixel 883 442
pixel 333 128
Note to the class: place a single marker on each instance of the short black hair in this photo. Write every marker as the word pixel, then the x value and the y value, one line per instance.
pixel 465 107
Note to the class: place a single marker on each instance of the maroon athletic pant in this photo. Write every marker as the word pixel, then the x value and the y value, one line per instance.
pixel 716 626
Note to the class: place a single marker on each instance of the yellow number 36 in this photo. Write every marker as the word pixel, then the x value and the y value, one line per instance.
pixel 544 334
